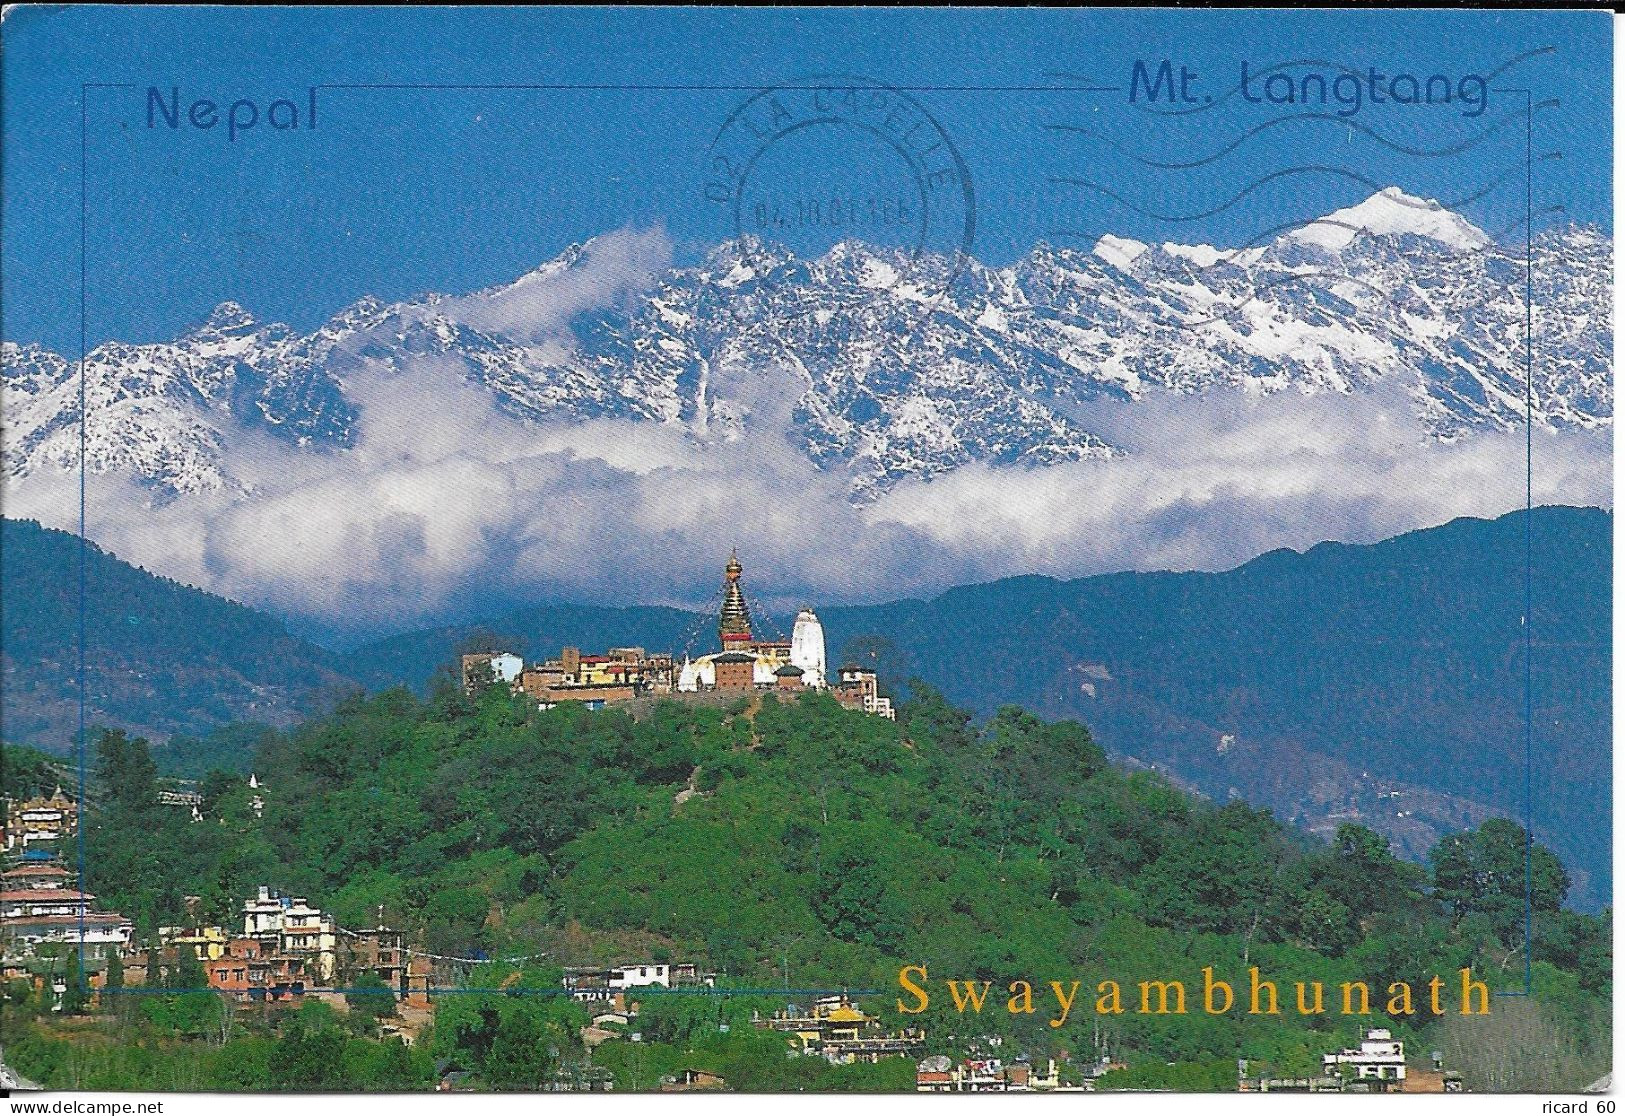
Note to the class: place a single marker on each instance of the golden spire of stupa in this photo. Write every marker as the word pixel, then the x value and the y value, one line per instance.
pixel 733 623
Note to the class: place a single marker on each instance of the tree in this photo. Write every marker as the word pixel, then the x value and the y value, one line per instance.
pixel 113 997
pixel 215 786
pixel 518 1058
pixel 856 900
pixel 115 970
pixel 128 776
pixel 28 772
pixel 1327 924
pixel 191 1008
pixel 1361 872
pixel 1579 943
pixel 1222 874
pixel 369 997
pixel 77 994
pixel 307 1058
pixel 1485 871
pixel 397 1070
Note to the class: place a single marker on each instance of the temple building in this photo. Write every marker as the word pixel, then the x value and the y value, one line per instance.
pixel 40 820
pixel 840 1032
pixel 618 675
pixel 40 903
pixel 748 663
pixel 744 663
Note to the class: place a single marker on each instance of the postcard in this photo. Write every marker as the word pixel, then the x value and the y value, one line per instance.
pixel 675 550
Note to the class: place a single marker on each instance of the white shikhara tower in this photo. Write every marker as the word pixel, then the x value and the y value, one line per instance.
pixel 807 648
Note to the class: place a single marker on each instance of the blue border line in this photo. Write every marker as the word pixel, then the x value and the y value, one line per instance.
pixel 83 810
pixel 84 545
pixel 441 990
pixel 1529 469
pixel 1528 546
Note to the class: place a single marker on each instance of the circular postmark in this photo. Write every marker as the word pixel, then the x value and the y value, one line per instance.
pixel 851 172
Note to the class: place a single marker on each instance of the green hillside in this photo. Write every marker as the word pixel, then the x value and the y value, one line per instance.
pixel 795 844
pixel 1381 682
pixel 160 657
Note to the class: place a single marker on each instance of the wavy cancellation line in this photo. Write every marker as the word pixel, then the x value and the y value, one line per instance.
pixel 1228 255
pixel 1288 172
pixel 1329 117
pixel 1278 67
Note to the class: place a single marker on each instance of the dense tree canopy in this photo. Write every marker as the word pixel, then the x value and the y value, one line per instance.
pixel 789 843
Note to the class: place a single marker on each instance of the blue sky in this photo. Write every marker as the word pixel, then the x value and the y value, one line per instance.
pixel 399 192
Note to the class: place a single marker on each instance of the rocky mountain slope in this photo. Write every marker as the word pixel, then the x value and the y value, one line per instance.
pixel 874 365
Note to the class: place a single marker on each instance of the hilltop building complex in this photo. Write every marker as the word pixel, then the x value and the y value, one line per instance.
pixel 742 664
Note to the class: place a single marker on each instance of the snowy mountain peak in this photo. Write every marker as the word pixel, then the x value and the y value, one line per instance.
pixel 1119 251
pixel 571 257
pixel 1392 212
pixel 228 317
pixel 1007 367
pixel 745 257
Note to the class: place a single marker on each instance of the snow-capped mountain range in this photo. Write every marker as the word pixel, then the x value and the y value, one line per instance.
pixel 866 366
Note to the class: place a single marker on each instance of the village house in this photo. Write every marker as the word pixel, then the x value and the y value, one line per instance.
pixel 380 951
pixel 490 667
pixel 941 1074
pixel 33 902
pixel 612 983
pixel 208 943
pixel 860 689
pixel 288 926
pixel 35 875
pixel 1252 1080
pixel 256 971
pixel 188 798
pixel 289 949
pixel 51 973
pixel 229 972
pixel 39 905
pixel 1377 1065
pixel 419 979
pixel 613 678
pixel 840 1032
pixel 607 1025
pixel 1379 1060
pixel 41 822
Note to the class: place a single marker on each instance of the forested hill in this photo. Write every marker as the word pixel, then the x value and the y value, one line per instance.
pixel 161 657
pixel 797 844
pixel 1380 683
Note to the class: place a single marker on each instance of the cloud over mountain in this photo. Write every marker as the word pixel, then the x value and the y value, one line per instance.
pixel 602 427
